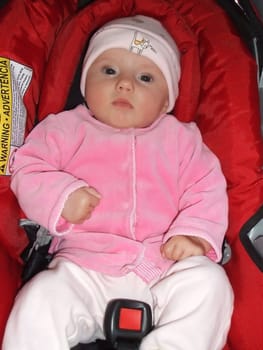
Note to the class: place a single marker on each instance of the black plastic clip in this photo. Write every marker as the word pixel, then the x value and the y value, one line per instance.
pixel 251 236
pixel 126 322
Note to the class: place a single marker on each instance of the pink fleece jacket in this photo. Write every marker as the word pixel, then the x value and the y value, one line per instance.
pixel 155 183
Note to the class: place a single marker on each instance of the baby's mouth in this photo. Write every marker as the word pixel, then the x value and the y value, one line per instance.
pixel 122 103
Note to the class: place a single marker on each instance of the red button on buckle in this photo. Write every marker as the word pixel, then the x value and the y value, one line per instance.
pixel 130 319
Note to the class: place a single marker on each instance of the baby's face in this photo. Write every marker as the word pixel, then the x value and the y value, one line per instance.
pixel 125 90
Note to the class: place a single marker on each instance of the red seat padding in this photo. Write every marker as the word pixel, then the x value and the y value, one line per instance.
pixel 28 30
pixel 228 115
pixel 218 90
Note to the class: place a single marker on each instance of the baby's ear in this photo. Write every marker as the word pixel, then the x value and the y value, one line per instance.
pixel 165 106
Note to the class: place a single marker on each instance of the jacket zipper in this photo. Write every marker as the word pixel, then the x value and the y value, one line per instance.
pixel 134 195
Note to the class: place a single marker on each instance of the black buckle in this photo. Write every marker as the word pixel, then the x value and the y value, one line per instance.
pixel 35 256
pixel 251 236
pixel 126 322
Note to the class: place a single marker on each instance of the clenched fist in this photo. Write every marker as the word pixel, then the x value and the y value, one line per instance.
pixel 80 205
pixel 181 247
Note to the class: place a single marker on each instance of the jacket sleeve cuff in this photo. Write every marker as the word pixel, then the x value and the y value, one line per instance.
pixel 63 226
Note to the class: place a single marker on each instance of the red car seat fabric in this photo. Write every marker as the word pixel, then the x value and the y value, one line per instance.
pixel 28 30
pixel 228 115
pixel 218 90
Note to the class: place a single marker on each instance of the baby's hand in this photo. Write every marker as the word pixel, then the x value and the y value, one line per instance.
pixel 181 247
pixel 80 205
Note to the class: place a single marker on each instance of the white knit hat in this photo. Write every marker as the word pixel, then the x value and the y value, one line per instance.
pixel 144 36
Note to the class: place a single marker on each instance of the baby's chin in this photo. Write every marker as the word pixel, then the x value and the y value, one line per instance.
pixel 122 122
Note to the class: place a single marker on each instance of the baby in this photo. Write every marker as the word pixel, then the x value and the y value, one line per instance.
pixel 135 201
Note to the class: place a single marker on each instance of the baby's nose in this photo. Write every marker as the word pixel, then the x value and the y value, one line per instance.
pixel 125 84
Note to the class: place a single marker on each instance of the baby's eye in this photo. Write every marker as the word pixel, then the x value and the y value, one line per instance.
pixel 109 70
pixel 146 78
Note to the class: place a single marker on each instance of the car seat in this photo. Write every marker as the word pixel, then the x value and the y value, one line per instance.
pixel 218 90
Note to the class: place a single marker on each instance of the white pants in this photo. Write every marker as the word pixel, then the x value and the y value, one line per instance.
pixel 63 306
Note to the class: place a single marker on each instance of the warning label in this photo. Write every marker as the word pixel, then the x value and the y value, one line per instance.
pixel 14 81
